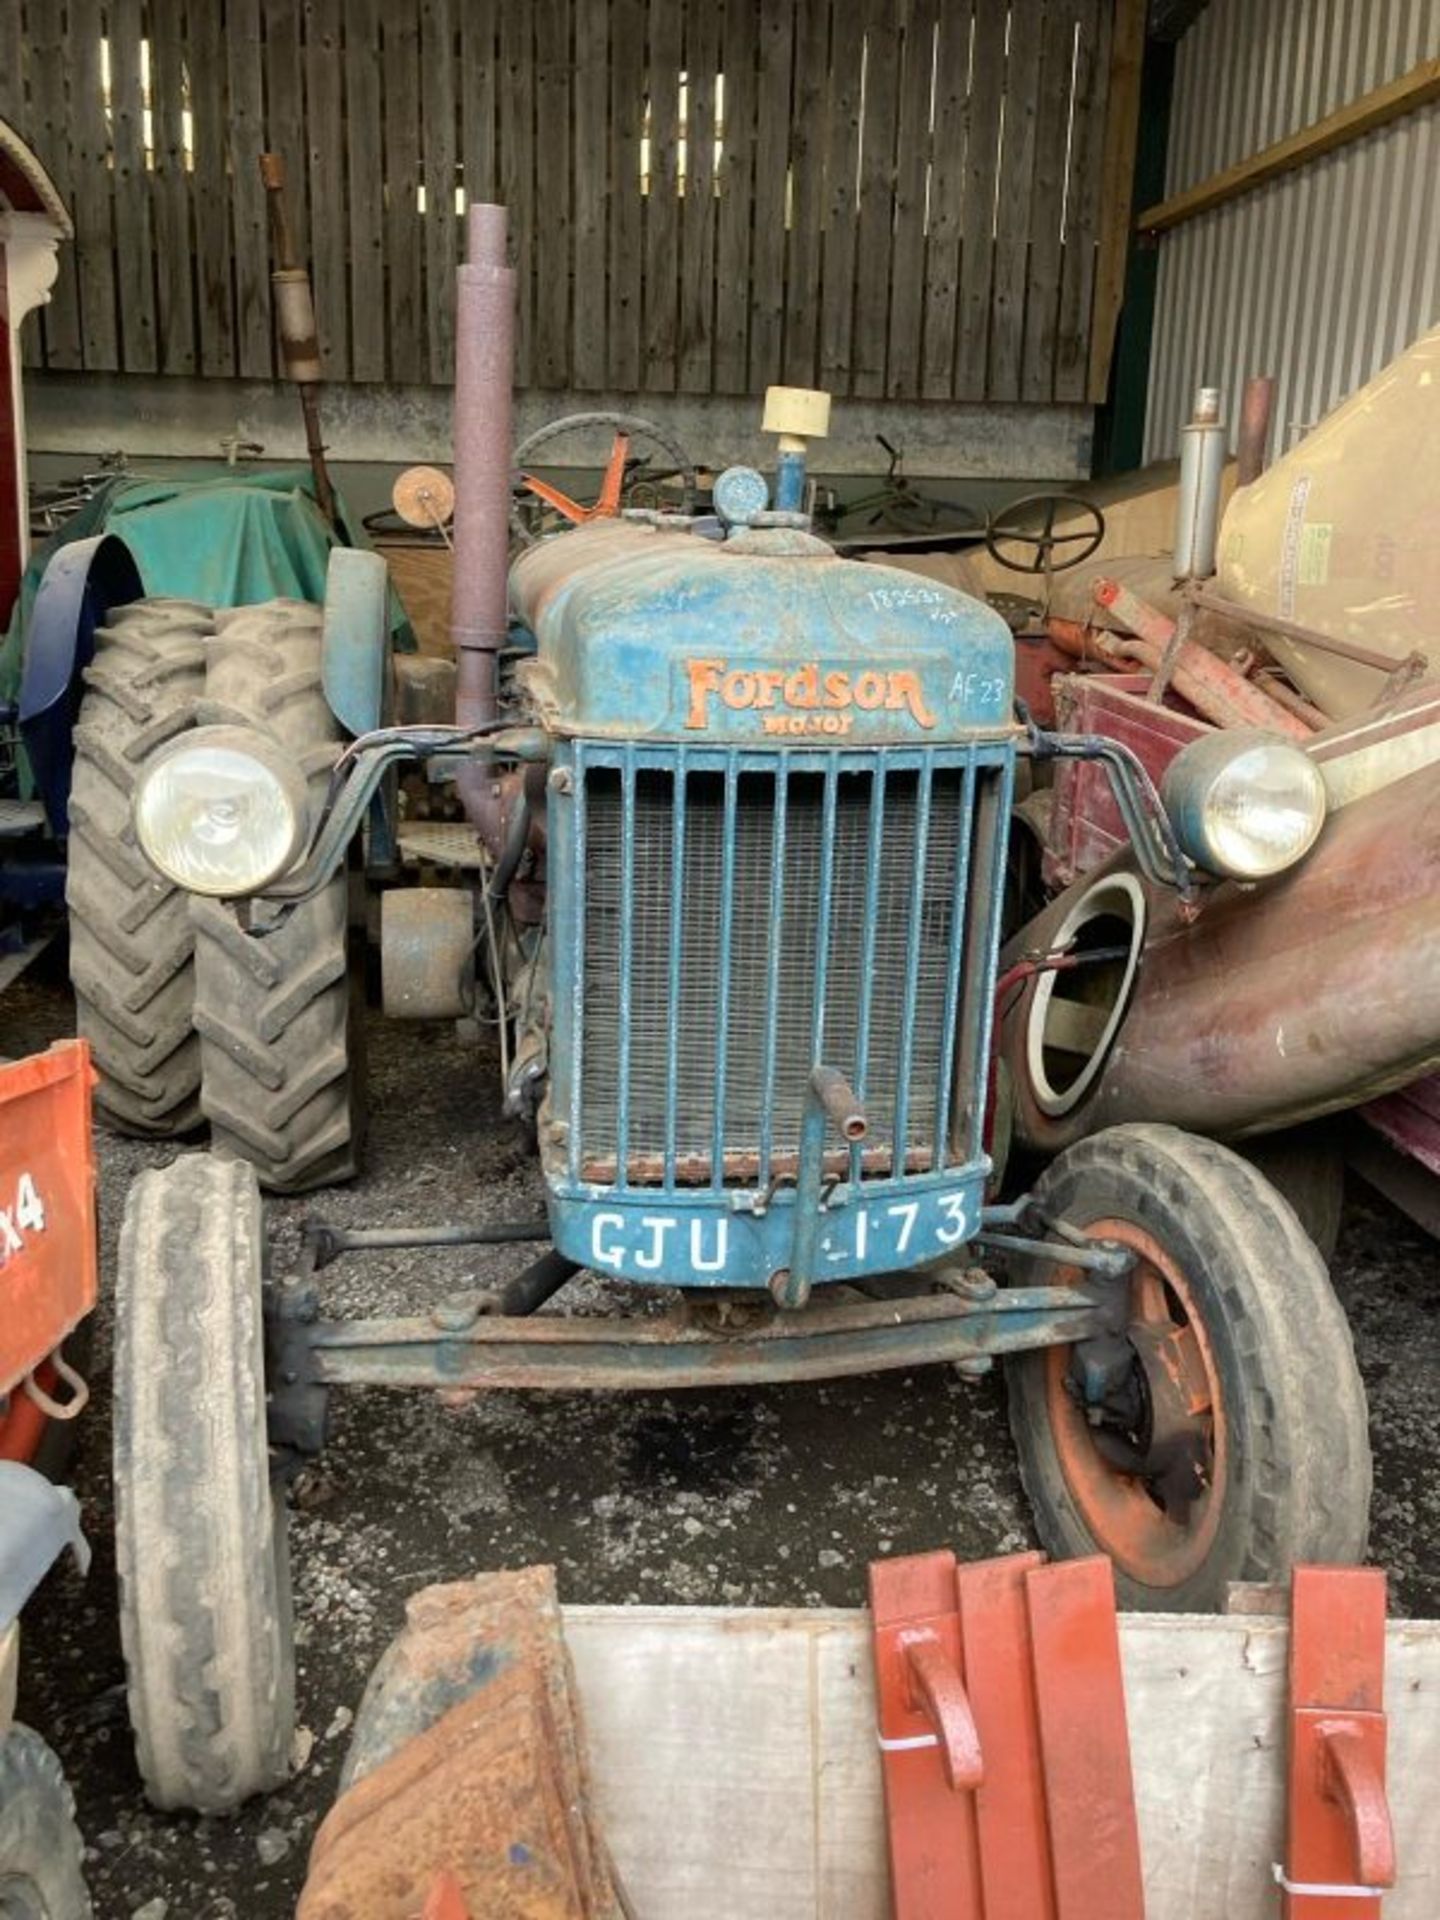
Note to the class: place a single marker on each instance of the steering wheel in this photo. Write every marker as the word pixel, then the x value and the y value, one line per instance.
pixel 1030 522
pixel 537 508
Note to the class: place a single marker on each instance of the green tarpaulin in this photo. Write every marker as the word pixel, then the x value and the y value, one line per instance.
pixel 228 542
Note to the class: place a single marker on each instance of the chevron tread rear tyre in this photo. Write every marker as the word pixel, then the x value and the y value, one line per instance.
pixel 131 942
pixel 273 1008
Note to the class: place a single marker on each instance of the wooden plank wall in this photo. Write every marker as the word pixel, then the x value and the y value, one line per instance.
pixel 891 198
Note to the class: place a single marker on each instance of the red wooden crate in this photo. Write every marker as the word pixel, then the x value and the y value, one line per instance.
pixel 1085 823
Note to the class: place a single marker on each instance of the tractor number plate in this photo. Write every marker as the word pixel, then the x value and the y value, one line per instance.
pixel 703 1246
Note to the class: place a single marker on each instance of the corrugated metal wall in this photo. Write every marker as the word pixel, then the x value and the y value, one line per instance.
pixel 1324 274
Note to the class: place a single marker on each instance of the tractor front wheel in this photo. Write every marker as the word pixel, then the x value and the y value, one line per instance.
pixel 1223 1435
pixel 200 1534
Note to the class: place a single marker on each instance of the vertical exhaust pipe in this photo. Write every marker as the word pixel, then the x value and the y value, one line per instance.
pixel 1256 405
pixel 1202 465
pixel 484 370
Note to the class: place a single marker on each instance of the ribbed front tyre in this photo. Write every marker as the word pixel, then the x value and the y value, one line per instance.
pixel 1223 1437
pixel 200 1533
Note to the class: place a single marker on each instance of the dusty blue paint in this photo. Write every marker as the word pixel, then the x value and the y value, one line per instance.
pixel 355 649
pixel 83 582
pixel 790 482
pixel 627 618
pixel 704 1239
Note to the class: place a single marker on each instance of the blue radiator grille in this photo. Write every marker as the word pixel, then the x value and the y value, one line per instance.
pixel 741 916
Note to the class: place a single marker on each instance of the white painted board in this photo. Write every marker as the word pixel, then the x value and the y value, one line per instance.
pixel 734 1761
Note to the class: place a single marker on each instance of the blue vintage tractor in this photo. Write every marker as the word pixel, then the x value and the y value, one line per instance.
pixel 743 808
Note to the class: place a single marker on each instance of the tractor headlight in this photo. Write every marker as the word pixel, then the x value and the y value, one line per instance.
pixel 1244 804
pixel 222 811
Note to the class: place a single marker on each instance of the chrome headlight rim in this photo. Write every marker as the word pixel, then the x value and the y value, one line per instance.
pixel 239 751
pixel 1207 784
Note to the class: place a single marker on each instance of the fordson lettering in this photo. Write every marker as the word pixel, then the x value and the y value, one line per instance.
pixel 805 699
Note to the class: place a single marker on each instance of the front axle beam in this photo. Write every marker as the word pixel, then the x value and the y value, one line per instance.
pixel 665 1351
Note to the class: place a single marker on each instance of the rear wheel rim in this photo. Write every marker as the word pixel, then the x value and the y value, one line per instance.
pixel 1120 1510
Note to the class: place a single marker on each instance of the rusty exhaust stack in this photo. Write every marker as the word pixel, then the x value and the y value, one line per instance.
pixel 295 319
pixel 484 369
pixel 1255 408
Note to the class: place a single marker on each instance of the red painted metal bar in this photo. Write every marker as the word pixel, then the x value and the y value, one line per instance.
pixel 1340 1843
pixel 934 1849
pixel 1010 1812
pixel 1084 1741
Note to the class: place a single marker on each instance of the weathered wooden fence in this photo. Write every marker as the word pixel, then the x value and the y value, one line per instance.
pixel 891 198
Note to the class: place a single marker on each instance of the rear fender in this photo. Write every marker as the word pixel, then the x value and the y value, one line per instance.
pixel 355 651
pixel 82 584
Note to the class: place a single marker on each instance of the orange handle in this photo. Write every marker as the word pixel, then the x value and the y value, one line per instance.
pixel 1355 1783
pixel 939 1693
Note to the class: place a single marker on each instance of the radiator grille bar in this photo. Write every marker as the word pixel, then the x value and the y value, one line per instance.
pixel 958 930
pixel 900 1149
pixel 741 916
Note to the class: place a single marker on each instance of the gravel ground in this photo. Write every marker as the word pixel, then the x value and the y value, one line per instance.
pixel 765 1497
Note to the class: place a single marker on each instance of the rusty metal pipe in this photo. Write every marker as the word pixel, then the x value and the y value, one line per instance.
pixel 1246 616
pixel 1295 703
pixel 484 364
pixel 533 1286
pixel 1256 405
pixel 840 1102
pixel 295 323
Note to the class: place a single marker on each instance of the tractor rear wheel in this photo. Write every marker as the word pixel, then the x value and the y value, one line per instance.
pixel 42 1858
pixel 131 942
pixel 1224 1437
pixel 274 1009
pixel 205 1619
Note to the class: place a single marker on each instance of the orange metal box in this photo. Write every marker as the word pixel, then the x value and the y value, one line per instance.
pixel 48 1255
